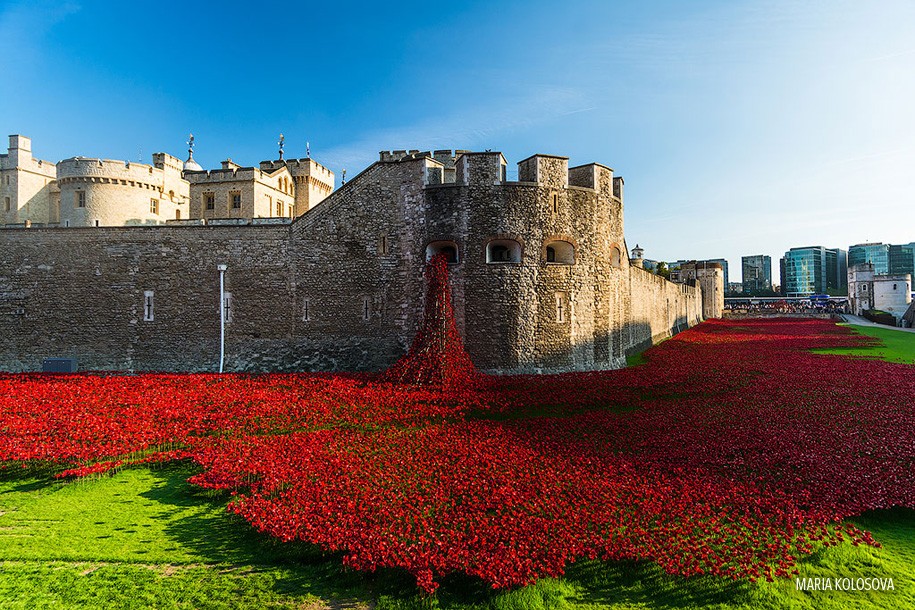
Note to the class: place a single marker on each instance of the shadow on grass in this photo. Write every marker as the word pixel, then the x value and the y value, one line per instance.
pixel 590 583
pixel 31 476
pixel 220 537
pixel 632 583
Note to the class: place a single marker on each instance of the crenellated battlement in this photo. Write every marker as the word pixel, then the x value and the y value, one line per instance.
pixel 226 174
pixel 390 156
pixel 463 167
pixel 166 161
pixel 123 171
pixel 109 192
pixel 305 167
pixel 446 157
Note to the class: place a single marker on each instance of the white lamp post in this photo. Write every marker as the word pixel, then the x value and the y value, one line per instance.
pixel 222 315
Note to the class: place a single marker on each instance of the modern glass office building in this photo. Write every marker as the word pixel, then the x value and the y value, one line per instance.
pixel 814 270
pixel 757 273
pixel 902 259
pixel 836 272
pixel 877 254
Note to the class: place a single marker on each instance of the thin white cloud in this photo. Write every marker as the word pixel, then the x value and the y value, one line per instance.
pixel 471 127
pixel 24 24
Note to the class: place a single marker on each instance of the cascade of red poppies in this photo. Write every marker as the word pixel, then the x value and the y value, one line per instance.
pixel 437 356
pixel 733 451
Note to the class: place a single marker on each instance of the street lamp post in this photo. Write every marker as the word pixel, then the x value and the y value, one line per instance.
pixel 222 315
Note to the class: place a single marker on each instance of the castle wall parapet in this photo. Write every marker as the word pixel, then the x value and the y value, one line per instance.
pixel 482 168
pixel 593 176
pixel 546 170
pixel 301 167
pixel 139 174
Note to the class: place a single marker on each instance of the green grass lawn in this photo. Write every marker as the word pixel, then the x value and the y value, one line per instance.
pixel 145 538
pixel 898 346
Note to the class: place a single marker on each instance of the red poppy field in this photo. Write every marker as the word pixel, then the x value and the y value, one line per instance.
pixel 733 451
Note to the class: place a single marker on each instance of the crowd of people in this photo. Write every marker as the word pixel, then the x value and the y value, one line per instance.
pixel 781 306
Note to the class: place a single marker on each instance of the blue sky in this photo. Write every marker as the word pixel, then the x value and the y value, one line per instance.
pixel 739 127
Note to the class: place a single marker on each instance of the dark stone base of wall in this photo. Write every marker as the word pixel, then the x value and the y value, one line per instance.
pixel 350 354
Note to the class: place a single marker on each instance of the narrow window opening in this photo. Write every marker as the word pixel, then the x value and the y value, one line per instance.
pixel 383 245
pixel 366 308
pixel 562 307
pixel 177 214
pixel 96 223
pixel 209 201
pixel 148 306
pixel 229 309
pixel 306 310
pixel 236 201
pixel 555 203
pixel 615 257
pixel 80 199
pixel 153 206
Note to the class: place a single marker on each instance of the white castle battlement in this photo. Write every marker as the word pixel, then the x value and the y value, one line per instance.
pixel 83 191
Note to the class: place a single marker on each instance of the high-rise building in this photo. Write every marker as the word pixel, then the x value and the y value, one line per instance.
pixel 902 259
pixel 757 273
pixel 877 254
pixel 836 272
pixel 814 270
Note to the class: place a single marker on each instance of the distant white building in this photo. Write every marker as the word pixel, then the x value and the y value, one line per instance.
pixel 868 290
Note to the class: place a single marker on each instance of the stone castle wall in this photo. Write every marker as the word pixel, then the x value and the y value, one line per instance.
pixel 80 293
pixel 357 264
pixel 102 192
pixel 341 287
